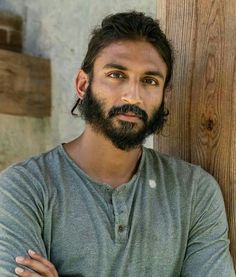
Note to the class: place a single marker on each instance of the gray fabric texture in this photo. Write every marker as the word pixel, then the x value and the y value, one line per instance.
pixel 168 220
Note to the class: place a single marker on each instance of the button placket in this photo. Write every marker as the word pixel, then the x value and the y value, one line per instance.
pixel 121 218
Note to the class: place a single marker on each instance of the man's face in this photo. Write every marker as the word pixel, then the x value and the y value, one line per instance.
pixel 123 99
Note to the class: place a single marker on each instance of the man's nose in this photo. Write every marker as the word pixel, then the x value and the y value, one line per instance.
pixel 132 95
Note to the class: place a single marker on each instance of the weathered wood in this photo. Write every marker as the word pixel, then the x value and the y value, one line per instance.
pixel 25 85
pixel 213 110
pixel 11 31
pixel 180 28
pixel 202 123
pixel 161 14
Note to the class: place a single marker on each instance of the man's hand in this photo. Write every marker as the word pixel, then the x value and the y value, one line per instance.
pixel 37 263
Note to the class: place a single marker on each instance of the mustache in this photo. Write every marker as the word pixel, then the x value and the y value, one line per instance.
pixel 128 108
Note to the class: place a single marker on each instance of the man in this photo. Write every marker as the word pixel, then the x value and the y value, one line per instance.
pixel 104 205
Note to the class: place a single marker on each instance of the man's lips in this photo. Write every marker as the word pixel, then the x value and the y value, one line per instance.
pixel 129 113
pixel 129 116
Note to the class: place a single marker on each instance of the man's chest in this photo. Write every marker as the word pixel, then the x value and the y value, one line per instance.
pixel 96 236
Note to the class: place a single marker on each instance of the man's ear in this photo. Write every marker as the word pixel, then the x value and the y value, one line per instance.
pixel 82 82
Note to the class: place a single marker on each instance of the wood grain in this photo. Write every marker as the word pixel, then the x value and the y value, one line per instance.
pixel 213 108
pixel 161 14
pixel 202 125
pixel 25 85
pixel 180 29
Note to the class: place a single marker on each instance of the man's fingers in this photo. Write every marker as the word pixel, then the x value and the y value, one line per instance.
pixel 40 259
pixel 37 263
pixel 32 264
pixel 25 273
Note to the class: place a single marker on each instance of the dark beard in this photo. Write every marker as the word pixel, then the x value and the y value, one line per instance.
pixel 125 136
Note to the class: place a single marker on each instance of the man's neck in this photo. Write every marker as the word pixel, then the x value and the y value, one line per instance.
pixel 101 160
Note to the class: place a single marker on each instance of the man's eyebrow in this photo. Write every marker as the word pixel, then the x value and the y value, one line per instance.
pixel 155 73
pixel 115 65
pixel 121 67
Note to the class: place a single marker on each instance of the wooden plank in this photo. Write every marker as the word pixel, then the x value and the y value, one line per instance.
pixel 213 108
pixel 25 85
pixel 161 14
pixel 202 125
pixel 180 29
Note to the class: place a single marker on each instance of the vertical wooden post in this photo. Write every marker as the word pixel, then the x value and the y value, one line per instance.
pixel 202 125
pixel 213 110
pixel 180 28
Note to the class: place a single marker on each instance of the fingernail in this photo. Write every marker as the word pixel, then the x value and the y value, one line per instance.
pixel 19 270
pixel 31 252
pixel 19 259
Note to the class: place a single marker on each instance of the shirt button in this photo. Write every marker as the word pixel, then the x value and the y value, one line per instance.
pixel 121 228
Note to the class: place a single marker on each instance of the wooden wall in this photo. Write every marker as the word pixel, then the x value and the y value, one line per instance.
pixel 202 123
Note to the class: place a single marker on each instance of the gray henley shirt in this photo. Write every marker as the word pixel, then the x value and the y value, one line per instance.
pixel 167 221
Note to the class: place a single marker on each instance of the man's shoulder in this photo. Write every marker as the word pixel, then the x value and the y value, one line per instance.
pixel 167 161
pixel 183 172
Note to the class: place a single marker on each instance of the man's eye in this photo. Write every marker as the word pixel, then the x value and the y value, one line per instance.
pixel 116 75
pixel 151 81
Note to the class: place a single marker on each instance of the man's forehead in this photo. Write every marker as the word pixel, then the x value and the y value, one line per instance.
pixel 131 52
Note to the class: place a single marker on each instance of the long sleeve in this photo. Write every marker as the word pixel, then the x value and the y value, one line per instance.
pixel 208 253
pixel 21 218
